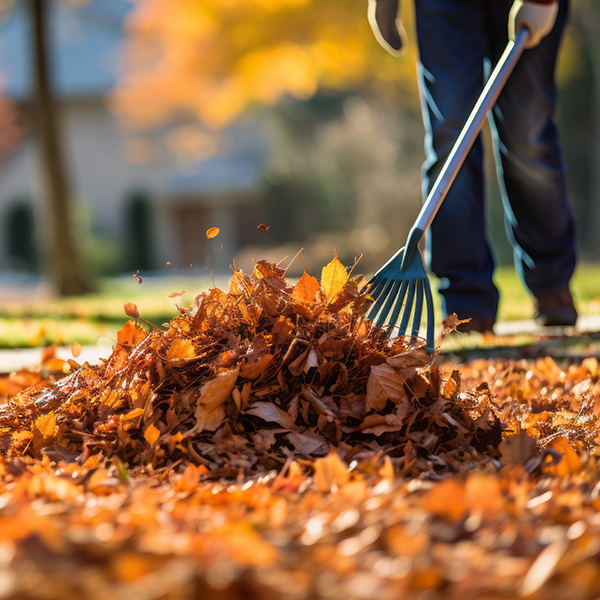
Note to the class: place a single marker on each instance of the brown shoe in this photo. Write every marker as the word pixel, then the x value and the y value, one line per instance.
pixel 479 324
pixel 555 309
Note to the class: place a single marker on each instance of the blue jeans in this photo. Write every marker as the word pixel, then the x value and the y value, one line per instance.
pixel 458 40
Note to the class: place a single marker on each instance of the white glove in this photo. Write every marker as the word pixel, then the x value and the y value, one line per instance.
pixel 386 26
pixel 538 18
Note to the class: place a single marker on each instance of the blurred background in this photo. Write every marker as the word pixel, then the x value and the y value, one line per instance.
pixel 128 128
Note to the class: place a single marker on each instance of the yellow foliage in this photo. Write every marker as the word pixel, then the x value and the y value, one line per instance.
pixel 212 60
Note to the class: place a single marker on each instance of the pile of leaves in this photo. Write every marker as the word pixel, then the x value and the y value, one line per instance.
pixel 270 443
pixel 245 381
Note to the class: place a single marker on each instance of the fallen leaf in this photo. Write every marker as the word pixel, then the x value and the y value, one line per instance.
pixel 331 472
pixel 131 334
pixel 305 289
pixel 181 349
pixel 333 278
pixel 151 434
pixel 384 384
pixel 271 413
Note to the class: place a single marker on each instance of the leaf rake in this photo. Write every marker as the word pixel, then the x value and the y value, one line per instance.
pixel 401 287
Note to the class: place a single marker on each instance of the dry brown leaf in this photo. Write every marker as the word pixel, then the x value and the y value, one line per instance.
pixel 131 310
pixel 271 413
pixel 384 384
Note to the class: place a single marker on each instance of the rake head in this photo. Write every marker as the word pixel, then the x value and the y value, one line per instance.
pixel 400 289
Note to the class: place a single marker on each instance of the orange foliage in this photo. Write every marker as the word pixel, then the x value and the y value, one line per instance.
pixel 213 59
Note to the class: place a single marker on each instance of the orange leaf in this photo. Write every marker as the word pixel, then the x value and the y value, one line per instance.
pixel 151 434
pixel 306 288
pixel 131 310
pixel 76 349
pixel 333 278
pixel 130 335
pixel 264 227
pixel 570 462
pixel 210 410
pixel 176 294
pixel 181 349
pixel 331 472
pixel 212 232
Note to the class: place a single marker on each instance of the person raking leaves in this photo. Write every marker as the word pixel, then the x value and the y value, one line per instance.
pixel 458 40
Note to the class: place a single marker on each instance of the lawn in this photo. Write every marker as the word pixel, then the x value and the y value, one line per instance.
pixel 36 321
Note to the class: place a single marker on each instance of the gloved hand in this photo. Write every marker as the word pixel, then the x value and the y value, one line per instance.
pixel 386 26
pixel 538 17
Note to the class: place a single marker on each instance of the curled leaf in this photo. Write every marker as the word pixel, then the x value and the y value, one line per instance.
pixel 131 310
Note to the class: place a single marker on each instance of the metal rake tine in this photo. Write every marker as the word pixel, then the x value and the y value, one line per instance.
pixel 378 285
pixel 399 303
pixel 385 311
pixel 430 316
pixel 410 298
pixel 380 299
pixel 418 310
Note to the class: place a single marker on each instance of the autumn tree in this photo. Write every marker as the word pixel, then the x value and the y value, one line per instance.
pixel 209 61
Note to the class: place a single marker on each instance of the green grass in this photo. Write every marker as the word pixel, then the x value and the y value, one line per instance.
pixel 37 321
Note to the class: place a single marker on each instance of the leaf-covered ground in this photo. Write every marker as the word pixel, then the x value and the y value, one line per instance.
pixel 270 443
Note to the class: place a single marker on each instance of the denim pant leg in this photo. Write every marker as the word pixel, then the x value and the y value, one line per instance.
pixel 531 170
pixel 453 42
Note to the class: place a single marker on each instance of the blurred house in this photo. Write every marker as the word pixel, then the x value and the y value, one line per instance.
pixel 151 209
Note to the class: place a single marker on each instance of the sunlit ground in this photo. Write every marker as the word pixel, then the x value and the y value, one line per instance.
pixel 33 320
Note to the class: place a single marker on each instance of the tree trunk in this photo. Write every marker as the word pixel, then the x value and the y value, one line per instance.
pixel 65 265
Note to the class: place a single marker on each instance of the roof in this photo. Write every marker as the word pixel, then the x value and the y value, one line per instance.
pixel 84 47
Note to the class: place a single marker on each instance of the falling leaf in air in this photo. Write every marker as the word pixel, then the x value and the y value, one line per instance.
pixel 176 294
pixel 212 232
pixel 333 278
pixel 139 277
pixel 131 310
pixel 264 227
pixel 76 349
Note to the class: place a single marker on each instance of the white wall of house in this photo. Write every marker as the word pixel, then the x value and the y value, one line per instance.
pixel 102 181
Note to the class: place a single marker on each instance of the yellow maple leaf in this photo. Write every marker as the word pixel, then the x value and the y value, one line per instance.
pixel 333 278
